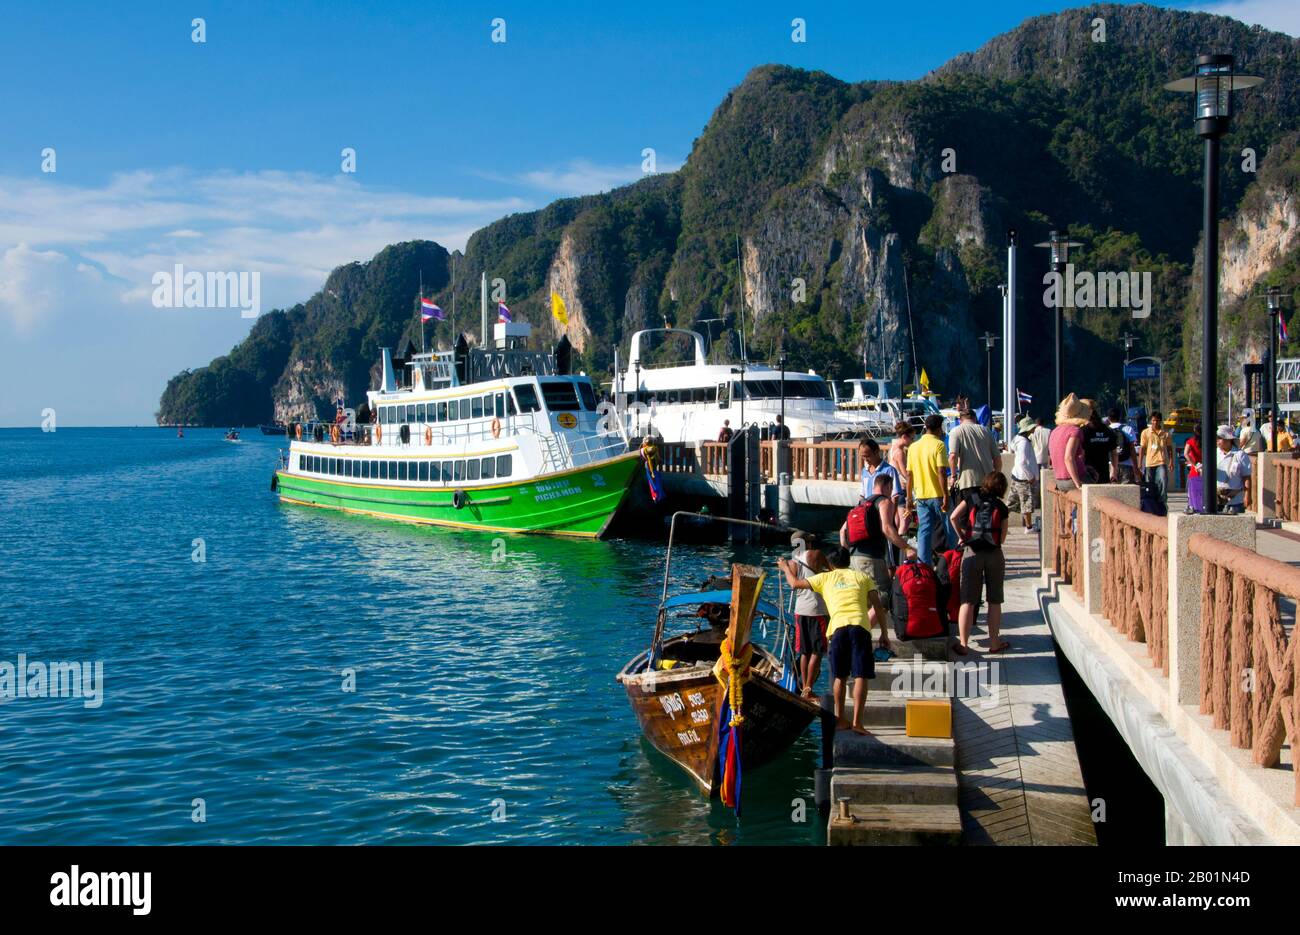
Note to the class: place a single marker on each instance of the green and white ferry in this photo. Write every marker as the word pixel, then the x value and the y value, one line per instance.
pixel 502 439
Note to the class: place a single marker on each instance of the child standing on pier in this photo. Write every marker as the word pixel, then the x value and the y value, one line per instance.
pixel 853 602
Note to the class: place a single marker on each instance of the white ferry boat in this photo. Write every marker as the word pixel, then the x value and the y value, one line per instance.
pixel 691 402
pixel 500 439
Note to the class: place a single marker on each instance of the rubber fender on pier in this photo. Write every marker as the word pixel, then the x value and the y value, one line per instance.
pixel 458 499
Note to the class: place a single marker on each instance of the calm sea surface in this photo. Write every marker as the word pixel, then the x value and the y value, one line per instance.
pixel 481 686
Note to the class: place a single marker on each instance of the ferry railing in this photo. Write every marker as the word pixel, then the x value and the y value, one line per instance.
pixel 1248 659
pixel 1135 576
pixel 678 458
pixel 715 457
pixel 1288 489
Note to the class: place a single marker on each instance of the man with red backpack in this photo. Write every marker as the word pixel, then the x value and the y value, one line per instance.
pixel 871 527
pixel 981 524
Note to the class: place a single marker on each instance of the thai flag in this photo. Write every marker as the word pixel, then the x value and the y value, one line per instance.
pixel 1281 329
pixel 430 311
pixel 503 314
pixel 1023 398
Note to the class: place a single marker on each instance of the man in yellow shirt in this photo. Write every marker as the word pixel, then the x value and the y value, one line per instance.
pixel 853 602
pixel 1155 455
pixel 927 487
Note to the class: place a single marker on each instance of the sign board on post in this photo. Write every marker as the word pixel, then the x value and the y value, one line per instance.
pixel 1141 371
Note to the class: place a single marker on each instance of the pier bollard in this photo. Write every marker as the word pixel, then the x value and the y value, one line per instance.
pixel 1185 594
pixel 1093 555
pixel 785 500
pixel 1265 483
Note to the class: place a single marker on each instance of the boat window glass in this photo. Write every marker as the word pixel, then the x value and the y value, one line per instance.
pixel 476 404
pixel 724 395
pixel 374 470
pixel 346 465
pixel 411 413
pixel 446 472
pixel 300 460
pixel 526 393
pixel 383 415
pixel 365 470
pixel 588 396
pixel 464 408
pixel 434 471
pixel 559 396
pixel 500 401
pixel 401 470
pixel 442 412
pixel 424 470
pixel 503 465
pixel 383 470
pixel 315 464
pixel 489 468
pixel 460 470
pixel 674 396
pixel 510 404
pixel 420 413
pixel 471 469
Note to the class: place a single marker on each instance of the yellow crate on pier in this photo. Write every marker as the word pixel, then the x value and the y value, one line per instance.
pixel 929 717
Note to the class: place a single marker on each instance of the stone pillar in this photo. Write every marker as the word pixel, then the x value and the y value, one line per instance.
pixel 1047 524
pixel 1185 594
pixel 785 499
pixel 1090 560
pixel 1265 483
pixel 1178 832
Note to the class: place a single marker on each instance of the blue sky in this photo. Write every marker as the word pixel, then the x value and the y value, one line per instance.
pixel 225 155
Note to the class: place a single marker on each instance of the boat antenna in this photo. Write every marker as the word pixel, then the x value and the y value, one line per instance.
pixel 421 312
pixel 740 301
pixel 907 294
pixel 453 293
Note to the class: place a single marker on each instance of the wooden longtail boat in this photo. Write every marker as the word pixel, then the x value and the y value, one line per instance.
pixel 677 697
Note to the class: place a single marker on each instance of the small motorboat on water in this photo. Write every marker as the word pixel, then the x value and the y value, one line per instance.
pixel 681 687
pixel 273 428
pixel 232 436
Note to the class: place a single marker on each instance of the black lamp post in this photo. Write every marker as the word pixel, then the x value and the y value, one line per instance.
pixel 989 340
pixel 1129 341
pixel 637 404
pixel 1059 247
pixel 741 386
pixel 780 362
pixel 1212 85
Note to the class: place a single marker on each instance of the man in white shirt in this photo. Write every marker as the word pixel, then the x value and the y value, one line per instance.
pixel 1232 472
pixel 1024 474
pixel 1039 438
pixel 1251 439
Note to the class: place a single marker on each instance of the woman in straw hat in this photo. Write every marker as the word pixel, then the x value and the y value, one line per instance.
pixel 1065 446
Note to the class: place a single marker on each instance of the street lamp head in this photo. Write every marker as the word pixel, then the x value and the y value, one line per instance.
pixel 1275 298
pixel 1059 247
pixel 1212 84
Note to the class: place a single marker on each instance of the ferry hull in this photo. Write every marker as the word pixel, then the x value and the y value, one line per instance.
pixel 579 502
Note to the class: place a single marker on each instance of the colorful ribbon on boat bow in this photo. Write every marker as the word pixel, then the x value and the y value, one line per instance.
pixel 650 454
pixel 732 670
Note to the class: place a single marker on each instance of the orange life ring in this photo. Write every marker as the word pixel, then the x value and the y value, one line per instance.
pixel 298 431
pixel 428 435
pixel 334 433
pixel 379 431
pixel 496 428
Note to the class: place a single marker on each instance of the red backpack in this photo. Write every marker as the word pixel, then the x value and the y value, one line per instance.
pixel 950 582
pixel 863 522
pixel 915 602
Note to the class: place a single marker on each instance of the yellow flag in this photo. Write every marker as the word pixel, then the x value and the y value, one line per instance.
pixel 925 381
pixel 558 310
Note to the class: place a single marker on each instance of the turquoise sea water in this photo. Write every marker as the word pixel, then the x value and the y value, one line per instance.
pixel 481 686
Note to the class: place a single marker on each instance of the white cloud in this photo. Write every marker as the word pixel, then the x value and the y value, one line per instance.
pixel 1278 15
pixel 292 227
pixel 581 176
pixel 36 284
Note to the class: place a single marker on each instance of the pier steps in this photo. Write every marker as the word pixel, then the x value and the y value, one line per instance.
pixel 905 825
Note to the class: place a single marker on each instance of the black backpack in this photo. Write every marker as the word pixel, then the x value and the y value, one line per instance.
pixel 983 517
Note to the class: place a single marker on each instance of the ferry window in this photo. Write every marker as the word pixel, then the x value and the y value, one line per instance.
pixel 446 472
pixel 315 464
pixel 401 470
pixel 329 466
pixel 588 396
pixel 500 404
pixel 365 470
pixel 374 470
pixel 383 415
pixel 510 404
pixel 559 396
pixel 460 470
pixel 503 465
pixel 420 413
pixel 383 470
pixel 301 458
pixel 471 469
pixel 476 407
pixel 346 464
pixel 489 468
pixel 674 396
pixel 464 409
pixel 527 396
pixel 442 412
pixel 424 470
pixel 698 395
